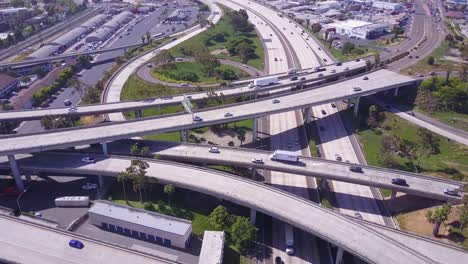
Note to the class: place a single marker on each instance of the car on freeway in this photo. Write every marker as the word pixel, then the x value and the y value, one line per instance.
pixel 294 78
pixel 421 75
pixel 197 119
pixel 72 110
pixel 365 78
pixel 214 150
pixel 355 168
pixel 338 157
pixel 37 214
pixel 358 215
pixel 278 260
pixel 88 160
pixel 302 79
pixel 323 112
pixel 399 181
pixel 184 84
pixel 257 160
pixel 357 60
pixel 339 64
pixel 432 73
pixel 245 66
pixel 450 191
pixel 333 71
pixel 346 68
pixel 76 244
pixel 275 101
pixel 410 56
pixel 149 65
pixel 89 186
pixel 227 114
pixel 276 59
pixel 417 57
pixel 357 88
pixel 320 75
pixel 333 105
pixel 67 102
pixel 325 60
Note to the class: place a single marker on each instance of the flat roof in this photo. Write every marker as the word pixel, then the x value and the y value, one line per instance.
pixel 212 247
pixel 141 217
pixel 351 24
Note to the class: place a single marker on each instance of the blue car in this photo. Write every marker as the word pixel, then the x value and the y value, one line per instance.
pixel 76 244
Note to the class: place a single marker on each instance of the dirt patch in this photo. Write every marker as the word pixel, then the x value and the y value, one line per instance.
pixel 220 51
pixel 91 120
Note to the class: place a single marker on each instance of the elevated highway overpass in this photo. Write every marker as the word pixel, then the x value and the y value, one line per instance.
pixel 26 242
pixel 370 242
pixel 56 139
pixel 241 89
pixel 420 185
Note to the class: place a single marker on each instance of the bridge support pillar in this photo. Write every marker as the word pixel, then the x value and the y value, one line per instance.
pixel 253 172
pixel 253 216
pixel 323 184
pixel 307 115
pixel 138 114
pixel 105 151
pixel 184 135
pixel 28 176
pixel 16 172
pixel 356 107
pixel 339 256
pixel 100 188
pixel 255 130
pixel 396 92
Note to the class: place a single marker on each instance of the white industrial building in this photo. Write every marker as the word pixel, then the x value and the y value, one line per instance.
pixel 358 29
pixel 387 5
pixel 141 224
pixel 212 249
pixel 110 27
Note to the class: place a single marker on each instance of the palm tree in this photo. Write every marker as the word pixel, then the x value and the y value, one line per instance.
pixel 123 177
pixel 169 189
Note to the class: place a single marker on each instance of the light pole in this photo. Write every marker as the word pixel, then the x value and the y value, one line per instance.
pixel 17 200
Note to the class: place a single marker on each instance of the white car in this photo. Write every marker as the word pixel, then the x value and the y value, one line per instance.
pixel 89 186
pixel 450 191
pixel 333 71
pixel 257 160
pixel 214 150
pixel 88 160
pixel 357 88
pixel 37 214
pixel 197 119
pixel 346 68
pixel 72 110
pixel 227 114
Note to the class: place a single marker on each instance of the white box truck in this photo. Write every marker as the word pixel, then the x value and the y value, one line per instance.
pixel 265 81
pixel 289 237
pixel 72 201
pixel 284 155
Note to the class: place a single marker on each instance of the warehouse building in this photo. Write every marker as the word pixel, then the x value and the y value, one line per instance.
pixel 141 224
pixel 358 29
pixel 94 22
pixel 212 249
pixel 110 27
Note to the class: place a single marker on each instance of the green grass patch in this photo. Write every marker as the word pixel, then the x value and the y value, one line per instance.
pixel 172 74
pixel 385 192
pixel 225 27
pixel 358 52
pixel 171 136
pixel 326 203
pixel 457 120
pixel 452 156
pixel 440 63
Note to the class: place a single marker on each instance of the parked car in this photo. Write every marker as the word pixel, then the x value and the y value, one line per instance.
pixel 75 244
pixel 72 110
pixel 67 102
pixel 88 160
pixel 214 150
pixel 294 78
pixel 399 181
pixel 302 78
pixel 184 84
pixel 149 65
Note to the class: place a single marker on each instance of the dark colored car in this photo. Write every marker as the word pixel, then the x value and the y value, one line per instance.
pixel 399 181
pixel 278 260
pixel 76 244
pixel 355 169
pixel 339 64
pixel 67 102
pixel 293 78
pixel 358 60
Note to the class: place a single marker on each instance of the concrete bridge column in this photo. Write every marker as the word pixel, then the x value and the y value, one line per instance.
pixel 138 114
pixel 253 172
pixel 253 216
pixel 184 135
pixel 339 256
pixel 396 92
pixel 307 115
pixel 356 107
pixel 28 176
pixel 100 188
pixel 255 130
pixel 16 172
pixel 323 184
pixel 105 151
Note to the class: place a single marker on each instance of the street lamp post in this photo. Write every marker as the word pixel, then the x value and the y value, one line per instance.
pixel 17 200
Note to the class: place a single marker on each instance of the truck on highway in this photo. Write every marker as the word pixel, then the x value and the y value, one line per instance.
pixel 264 81
pixel 292 71
pixel 72 201
pixel 289 239
pixel 284 155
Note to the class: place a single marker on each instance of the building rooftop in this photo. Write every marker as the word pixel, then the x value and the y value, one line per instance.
pixel 141 217
pixel 351 24
pixel 212 247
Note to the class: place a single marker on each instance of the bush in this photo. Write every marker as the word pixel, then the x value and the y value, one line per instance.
pixel 431 60
pixel 187 76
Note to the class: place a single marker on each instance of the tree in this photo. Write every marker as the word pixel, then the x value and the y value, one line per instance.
pixel 239 20
pixel 243 233
pixel 376 59
pixel 219 218
pixel 316 27
pixel 143 40
pixel 373 119
pixel 139 180
pixel 169 189
pixel 17 3
pixel 83 61
pixel 148 37
pixel 164 57
pixel 463 216
pixel 25 79
pixel 55 122
pixel 308 23
pixel 122 177
pixel 241 135
pixel 390 143
pixel 348 47
pixel 438 217
pixel 245 51
pixel 368 65
pixel 431 60
pixel 428 140
pixel 76 85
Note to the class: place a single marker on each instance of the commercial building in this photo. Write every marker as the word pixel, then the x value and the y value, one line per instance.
pixel 103 32
pixel 388 5
pixel 141 224
pixel 212 249
pixel 358 29
pixel 7 84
